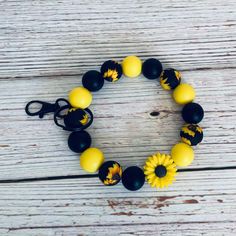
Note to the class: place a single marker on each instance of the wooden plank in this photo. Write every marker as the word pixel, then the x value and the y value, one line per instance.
pixel 68 37
pixel 197 204
pixel 212 229
pixel 46 46
pixel 122 128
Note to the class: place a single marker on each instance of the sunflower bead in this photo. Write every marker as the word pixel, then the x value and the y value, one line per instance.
pixel 110 173
pixel 170 79
pixel 111 71
pixel 191 134
pixel 160 170
pixel 76 118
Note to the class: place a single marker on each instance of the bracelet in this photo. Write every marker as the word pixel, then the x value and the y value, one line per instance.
pixel 74 115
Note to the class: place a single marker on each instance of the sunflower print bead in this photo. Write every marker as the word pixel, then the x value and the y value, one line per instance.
pixel 170 79
pixel 76 118
pixel 160 170
pixel 191 134
pixel 110 173
pixel 111 71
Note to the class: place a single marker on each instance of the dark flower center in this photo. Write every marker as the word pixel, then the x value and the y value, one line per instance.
pixel 160 171
pixel 116 177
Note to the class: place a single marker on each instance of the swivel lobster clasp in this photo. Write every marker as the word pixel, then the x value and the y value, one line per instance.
pixel 45 107
pixel 75 119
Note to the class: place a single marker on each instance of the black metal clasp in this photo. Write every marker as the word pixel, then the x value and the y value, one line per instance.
pixel 45 107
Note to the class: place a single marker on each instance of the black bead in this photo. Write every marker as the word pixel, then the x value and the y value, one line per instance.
pixel 111 70
pixel 192 113
pixel 133 178
pixel 110 173
pixel 152 68
pixel 93 80
pixel 79 141
pixel 160 171
pixel 75 118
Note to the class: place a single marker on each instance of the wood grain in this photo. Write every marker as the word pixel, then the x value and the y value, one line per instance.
pixel 122 128
pixel 46 46
pixel 196 204
pixel 66 37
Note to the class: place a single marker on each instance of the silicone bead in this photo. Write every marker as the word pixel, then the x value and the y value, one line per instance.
pixel 80 97
pixel 152 68
pixel 110 173
pixel 111 71
pixel 132 66
pixel 192 113
pixel 91 159
pixel 170 79
pixel 133 178
pixel 93 80
pixel 160 170
pixel 76 118
pixel 191 134
pixel 182 154
pixel 79 141
pixel 183 94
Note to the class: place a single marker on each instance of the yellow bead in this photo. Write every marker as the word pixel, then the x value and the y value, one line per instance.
pixel 182 154
pixel 184 94
pixel 132 66
pixel 80 97
pixel 91 159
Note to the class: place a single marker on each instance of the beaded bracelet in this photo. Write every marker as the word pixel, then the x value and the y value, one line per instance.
pixel 74 115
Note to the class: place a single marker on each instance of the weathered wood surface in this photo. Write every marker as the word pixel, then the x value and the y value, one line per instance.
pixel 122 128
pixel 46 46
pixel 196 204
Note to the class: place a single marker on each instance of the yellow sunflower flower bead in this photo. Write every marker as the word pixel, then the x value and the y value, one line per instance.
pixel 132 66
pixel 160 170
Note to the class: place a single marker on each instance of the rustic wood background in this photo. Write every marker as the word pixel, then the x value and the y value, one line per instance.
pixel 46 46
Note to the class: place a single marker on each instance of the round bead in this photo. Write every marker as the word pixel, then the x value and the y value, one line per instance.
pixel 79 141
pixel 76 118
pixel 133 178
pixel 152 68
pixel 111 71
pixel 110 173
pixel 182 154
pixel 170 79
pixel 183 94
pixel 91 159
pixel 80 97
pixel 191 134
pixel 132 66
pixel 93 80
pixel 192 113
